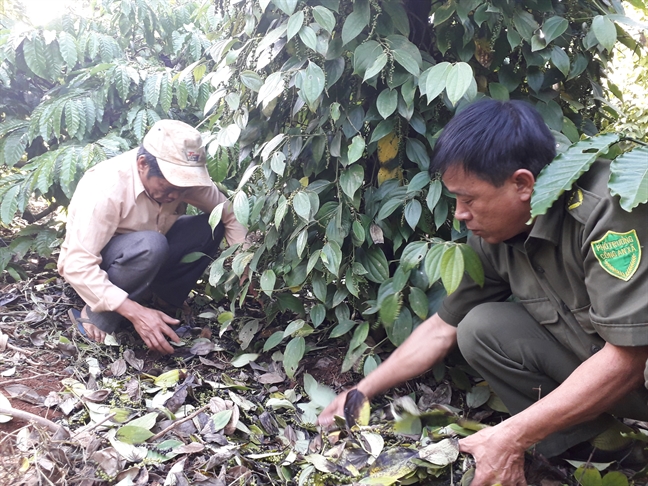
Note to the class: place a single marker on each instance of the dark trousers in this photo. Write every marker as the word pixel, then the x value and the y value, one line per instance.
pixel 147 262
pixel 522 362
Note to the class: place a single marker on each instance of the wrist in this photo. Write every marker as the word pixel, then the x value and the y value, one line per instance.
pixel 127 309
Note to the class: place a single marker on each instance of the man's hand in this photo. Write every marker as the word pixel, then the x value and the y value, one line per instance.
pixel 428 344
pixel 498 458
pixel 336 407
pixel 152 325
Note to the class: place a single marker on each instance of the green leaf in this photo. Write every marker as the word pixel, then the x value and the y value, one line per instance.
pixel 356 149
pixel 406 60
pixel 317 314
pixel 615 478
pixel 302 240
pixel 412 255
pixel 322 395
pixel 588 476
pixel 412 213
pixel 389 309
pixel 287 6
pixel 400 330
pixel 221 419
pixel 251 80
pixel 241 208
pixel 478 396
pixel 417 153
pixel 565 169
pixel 278 163
pixel 359 335
pixel 604 31
pixel 302 205
pixel 131 434
pixel 308 37
pixel 268 279
pixel 293 354
pixel 14 147
pixel 324 17
pixel 295 23
pixel 418 182
pixel 312 84
pixel 560 59
pixel 525 24
pixel 68 48
pixel 387 102
pixel 192 257
pixel 458 81
pixel 34 51
pixel 376 67
pixel 629 178
pixel 554 27
pixel 473 264
pixel 271 89
pixel 355 23
pixel 365 56
pixel 418 302
pixel 243 359
pixel 273 341
pixel 351 179
pixel 389 207
pixel 405 53
pixel 375 262
pixel 452 268
pixel 498 91
pixel 434 194
pixel 332 257
pixel 9 205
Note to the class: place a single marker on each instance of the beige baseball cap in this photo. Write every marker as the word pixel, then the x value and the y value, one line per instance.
pixel 179 150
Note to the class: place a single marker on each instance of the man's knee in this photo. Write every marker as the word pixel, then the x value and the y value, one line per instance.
pixel 153 247
pixel 478 329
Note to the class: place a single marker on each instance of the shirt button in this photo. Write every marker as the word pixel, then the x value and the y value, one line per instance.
pixel 594 349
pixel 539 269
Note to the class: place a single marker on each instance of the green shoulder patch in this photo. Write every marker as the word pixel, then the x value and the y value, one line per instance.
pixel 618 253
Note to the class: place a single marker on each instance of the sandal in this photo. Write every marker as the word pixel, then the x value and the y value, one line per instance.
pixel 77 320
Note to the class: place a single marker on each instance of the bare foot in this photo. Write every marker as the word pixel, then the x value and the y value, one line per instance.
pixel 91 330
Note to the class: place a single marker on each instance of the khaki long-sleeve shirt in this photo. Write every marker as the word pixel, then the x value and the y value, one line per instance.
pixel 110 200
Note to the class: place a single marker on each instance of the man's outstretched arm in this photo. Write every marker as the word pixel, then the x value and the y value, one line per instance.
pixel 428 344
pixel 593 388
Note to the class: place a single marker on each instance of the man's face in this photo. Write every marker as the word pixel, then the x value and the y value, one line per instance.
pixel 158 188
pixel 493 213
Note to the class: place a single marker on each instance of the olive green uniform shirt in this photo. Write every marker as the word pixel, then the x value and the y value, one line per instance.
pixel 587 286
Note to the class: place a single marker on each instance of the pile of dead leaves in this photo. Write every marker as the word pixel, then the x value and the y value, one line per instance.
pixel 210 415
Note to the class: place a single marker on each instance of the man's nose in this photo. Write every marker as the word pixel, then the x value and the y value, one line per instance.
pixel 461 212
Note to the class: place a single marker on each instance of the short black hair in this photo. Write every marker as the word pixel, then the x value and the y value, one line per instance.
pixel 492 139
pixel 154 168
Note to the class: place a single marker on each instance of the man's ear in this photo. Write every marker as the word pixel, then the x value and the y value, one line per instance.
pixel 524 181
pixel 142 165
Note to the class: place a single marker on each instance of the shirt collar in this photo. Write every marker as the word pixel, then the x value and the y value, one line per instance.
pixel 549 225
pixel 545 227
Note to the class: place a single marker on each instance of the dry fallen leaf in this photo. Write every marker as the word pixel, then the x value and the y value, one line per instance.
pixel 118 367
pixel 135 362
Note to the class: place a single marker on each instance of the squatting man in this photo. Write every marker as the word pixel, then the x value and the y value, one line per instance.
pixel 577 330
pixel 127 234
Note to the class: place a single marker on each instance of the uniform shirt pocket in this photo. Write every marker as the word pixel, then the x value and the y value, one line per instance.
pixel 541 310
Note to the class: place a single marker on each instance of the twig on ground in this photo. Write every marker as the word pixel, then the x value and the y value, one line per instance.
pixel 21 414
pixel 19 349
pixel 178 422
pixel 9 382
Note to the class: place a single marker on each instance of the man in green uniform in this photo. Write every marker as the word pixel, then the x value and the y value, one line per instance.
pixel 568 353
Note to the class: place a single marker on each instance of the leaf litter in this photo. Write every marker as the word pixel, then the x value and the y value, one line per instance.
pixel 215 414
